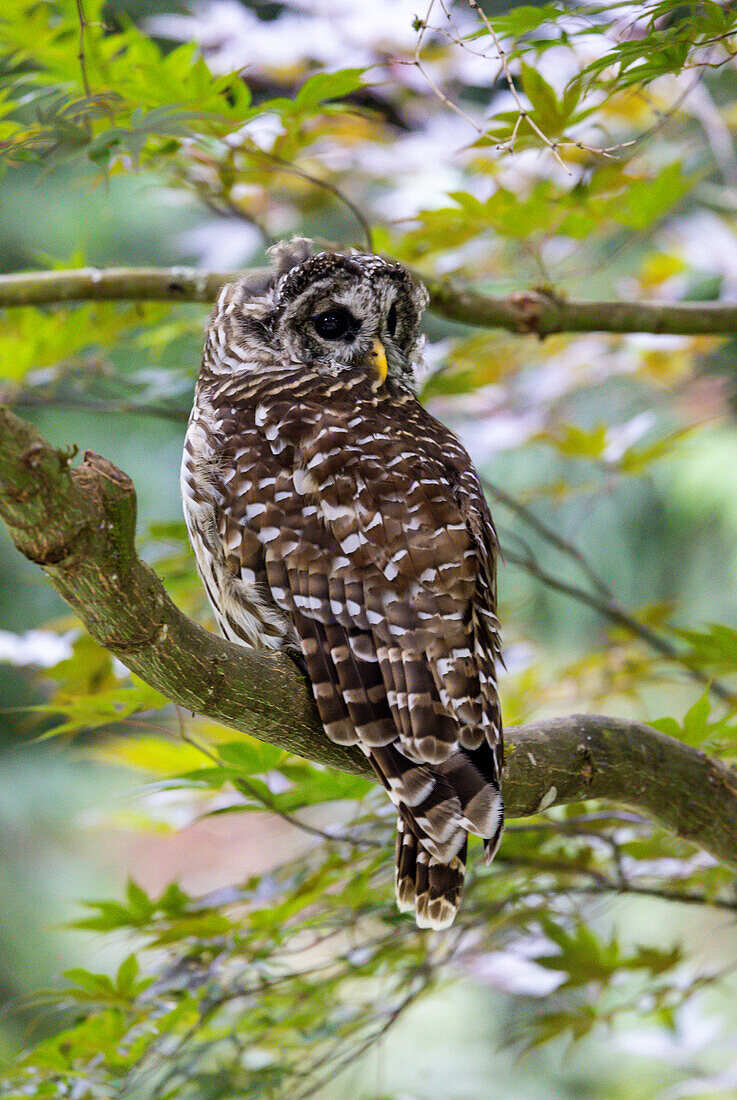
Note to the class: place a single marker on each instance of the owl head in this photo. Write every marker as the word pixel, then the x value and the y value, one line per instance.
pixel 332 311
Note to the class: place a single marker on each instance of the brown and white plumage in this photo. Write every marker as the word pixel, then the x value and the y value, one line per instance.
pixel 332 515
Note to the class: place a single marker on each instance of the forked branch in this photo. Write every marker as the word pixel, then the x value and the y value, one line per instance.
pixel 78 525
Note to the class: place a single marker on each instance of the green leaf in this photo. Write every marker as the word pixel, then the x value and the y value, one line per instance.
pixel 330 786
pixel 110 915
pixel 523 19
pixel 250 756
pixel 697 728
pixel 576 442
pixel 140 904
pixel 97 985
pixel 127 973
pixel 714 649
pixel 174 901
pixel 582 956
pixel 550 113
pixel 325 86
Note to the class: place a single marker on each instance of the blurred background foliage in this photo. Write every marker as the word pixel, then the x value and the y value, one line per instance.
pixel 586 149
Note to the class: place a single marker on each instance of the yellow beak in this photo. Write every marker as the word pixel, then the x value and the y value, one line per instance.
pixel 377 358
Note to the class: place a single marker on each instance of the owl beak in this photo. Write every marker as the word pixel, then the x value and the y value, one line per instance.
pixel 377 359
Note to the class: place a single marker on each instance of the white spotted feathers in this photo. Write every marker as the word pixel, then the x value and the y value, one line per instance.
pixel 332 515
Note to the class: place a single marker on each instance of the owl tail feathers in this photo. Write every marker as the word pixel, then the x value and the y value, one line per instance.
pixel 438 805
pixel 424 885
pixel 491 844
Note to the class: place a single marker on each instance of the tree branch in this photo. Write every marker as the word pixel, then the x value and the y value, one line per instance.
pixel 125 284
pixel 542 313
pixel 615 613
pixel 532 311
pixel 78 525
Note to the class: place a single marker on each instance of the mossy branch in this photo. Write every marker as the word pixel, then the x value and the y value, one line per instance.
pixel 535 312
pixel 78 525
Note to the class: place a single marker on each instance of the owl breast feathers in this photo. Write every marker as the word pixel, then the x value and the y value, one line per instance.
pixel 332 516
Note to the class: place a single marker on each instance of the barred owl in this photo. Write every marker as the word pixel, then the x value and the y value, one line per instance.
pixel 334 518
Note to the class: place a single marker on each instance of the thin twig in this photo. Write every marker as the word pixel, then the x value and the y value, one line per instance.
pixel 313 830
pixel 601 884
pixel 523 112
pixel 550 535
pixel 341 1063
pixel 652 892
pixel 417 62
pixel 324 185
pixel 552 866
pixel 247 788
pixel 604 151
pixel 224 205
pixel 665 116
pixel 573 826
pixel 83 24
pixel 613 611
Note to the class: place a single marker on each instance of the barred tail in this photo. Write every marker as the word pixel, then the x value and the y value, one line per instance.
pixel 425 885
pixel 438 805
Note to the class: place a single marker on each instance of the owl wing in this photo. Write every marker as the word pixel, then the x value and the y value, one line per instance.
pixel 376 544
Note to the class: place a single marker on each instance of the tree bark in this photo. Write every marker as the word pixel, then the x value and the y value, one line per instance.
pixel 536 312
pixel 78 525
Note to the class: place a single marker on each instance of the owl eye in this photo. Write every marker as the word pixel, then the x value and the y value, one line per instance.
pixel 335 323
pixel 391 320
